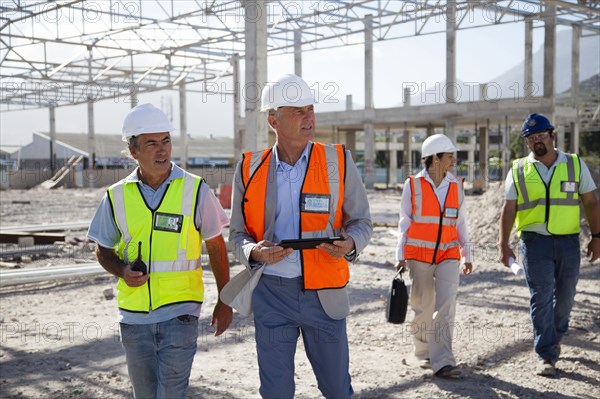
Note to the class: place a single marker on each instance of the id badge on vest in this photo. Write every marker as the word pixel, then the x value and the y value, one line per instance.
pixel 168 222
pixel 451 213
pixel 569 186
pixel 315 203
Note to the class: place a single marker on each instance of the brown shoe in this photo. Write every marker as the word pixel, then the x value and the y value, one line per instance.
pixel 449 372
pixel 545 368
pixel 425 364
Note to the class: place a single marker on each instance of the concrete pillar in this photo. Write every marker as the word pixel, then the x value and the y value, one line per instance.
pixel 575 135
pixel 183 124
pixel 90 114
pixel 406 97
pixel 449 129
pixel 335 135
pixel 560 136
pixel 369 155
pixel 451 51
pixel 430 129
pixel 483 91
pixel 481 183
pixel 549 47
pixel 298 53
pixel 351 142
pixel 407 156
pixel 348 102
pixel 393 154
pixel 505 147
pixel 528 78
pixel 575 87
pixel 368 61
pixel 471 157
pixel 91 134
pixel 238 134
pixel 52 112
pixel 256 73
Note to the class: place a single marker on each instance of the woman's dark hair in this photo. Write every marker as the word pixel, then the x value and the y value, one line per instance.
pixel 429 159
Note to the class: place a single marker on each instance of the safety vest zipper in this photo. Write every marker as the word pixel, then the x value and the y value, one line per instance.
pixel 440 226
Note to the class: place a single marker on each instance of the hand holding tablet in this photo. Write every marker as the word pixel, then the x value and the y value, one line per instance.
pixel 307 243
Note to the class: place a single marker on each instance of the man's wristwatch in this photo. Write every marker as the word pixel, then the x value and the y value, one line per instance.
pixel 597 235
pixel 351 253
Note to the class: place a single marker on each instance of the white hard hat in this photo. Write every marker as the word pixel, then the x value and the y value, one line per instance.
pixel 286 91
pixel 436 144
pixel 144 119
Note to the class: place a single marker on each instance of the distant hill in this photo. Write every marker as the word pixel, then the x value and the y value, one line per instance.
pixel 512 80
pixel 589 64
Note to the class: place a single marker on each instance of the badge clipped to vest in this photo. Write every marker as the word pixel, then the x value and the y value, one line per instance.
pixel 569 186
pixel 168 222
pixel 315 203
pixel 451 213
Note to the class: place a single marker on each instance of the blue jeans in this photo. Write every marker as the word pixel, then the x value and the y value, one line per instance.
pixel 283 310
pixel 159 356
pixel 551 266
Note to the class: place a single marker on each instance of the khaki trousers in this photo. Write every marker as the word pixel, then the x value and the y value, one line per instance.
pixel 433 299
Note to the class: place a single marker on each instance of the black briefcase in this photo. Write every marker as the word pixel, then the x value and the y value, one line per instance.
pixel 397 303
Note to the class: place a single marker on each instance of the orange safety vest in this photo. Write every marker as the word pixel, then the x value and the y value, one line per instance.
pixel 432 236
pixel 325 176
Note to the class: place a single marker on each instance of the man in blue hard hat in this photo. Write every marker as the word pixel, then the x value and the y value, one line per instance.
pixel 542 195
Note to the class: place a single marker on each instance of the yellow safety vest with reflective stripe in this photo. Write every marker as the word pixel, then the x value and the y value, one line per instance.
pixel 171 244
pixel 555 204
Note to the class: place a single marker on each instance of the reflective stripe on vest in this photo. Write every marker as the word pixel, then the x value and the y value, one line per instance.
pixel 171 244
pixel 325 175
pixel 432 236
pixel 562 194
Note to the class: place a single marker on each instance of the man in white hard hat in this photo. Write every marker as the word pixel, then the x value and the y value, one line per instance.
pixel 149 229
pixel 432 239
pixel 299 189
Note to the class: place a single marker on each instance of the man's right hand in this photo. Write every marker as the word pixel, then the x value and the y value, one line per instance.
pixel 134 278
pixel 506 253
pixel 268 252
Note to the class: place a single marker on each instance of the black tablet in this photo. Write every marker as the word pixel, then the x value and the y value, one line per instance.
pixel 307 243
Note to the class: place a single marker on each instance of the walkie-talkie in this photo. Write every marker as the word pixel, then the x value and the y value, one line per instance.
pixel 139 265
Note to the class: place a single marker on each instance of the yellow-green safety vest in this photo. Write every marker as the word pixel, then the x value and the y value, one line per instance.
pixel 556 204
pixel 171 244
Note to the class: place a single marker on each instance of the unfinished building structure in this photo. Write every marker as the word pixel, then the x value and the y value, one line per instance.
pixel 54 54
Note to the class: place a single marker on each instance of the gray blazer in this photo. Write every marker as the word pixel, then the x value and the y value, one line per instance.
pixel 356 223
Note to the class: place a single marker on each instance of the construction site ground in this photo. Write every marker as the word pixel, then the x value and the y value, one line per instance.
pixel 59 339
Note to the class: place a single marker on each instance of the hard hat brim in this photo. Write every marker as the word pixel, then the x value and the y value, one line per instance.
pixel 297 104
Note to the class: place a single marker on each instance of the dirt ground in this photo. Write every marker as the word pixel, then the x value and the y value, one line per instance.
pixel 60 339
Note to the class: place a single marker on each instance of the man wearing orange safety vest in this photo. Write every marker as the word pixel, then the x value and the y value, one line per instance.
pixel 431 242
pixel 299 189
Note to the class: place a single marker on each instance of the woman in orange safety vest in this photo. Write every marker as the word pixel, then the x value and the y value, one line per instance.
pixel 432 239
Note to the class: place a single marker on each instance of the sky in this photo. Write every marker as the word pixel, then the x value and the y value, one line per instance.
pixel 482 55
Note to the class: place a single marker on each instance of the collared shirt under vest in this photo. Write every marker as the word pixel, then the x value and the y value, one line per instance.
pixel 432 236
pixel 170 244
pixel 555 204
pixel 321 201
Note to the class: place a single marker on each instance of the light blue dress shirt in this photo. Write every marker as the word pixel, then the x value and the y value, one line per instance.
pixel 287 216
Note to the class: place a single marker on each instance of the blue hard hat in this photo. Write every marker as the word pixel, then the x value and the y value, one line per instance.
pixel 535 123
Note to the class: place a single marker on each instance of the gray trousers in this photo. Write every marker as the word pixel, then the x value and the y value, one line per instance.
pixel 433 299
